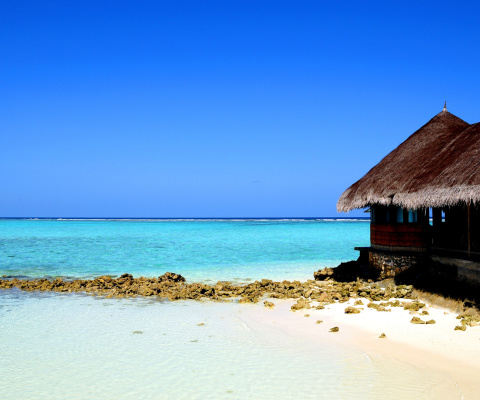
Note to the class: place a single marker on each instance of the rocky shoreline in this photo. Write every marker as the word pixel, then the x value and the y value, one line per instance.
pixel 317 294
pixel 173 287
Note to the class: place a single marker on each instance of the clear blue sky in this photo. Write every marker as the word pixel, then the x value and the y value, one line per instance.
pixel 218 108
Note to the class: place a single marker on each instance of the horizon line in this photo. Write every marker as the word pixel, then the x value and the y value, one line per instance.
pixel 181 218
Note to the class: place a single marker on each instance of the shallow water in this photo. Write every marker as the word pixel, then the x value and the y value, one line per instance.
pixel 72 346
pixel 57 346
pixel 198 249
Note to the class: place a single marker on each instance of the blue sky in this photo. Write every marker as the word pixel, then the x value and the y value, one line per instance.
pixel 218 108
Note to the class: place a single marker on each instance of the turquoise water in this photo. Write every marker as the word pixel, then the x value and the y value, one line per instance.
pixel 200 250
pixel 79 347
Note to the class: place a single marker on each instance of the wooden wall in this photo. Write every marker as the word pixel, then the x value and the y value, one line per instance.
pixel 400 235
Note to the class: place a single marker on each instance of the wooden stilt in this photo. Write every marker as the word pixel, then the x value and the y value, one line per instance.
pixel 469 238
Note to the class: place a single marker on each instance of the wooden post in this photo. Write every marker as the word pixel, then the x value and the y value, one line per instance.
pixel 437 217
pixel 469 236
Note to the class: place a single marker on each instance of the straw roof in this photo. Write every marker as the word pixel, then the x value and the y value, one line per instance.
pixel 439 165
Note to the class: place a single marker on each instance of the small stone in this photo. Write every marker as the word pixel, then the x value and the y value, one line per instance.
pixel 248 300
pixel 352 310
pixel 335 329
pixel 319 321
pixel 358 303
pixel 301 303
pixel 460 328
pixel 382 336
pixel 416 320
pixel 430 322
pixel 200 324
pixel 268 304
pixel 137 332
pixel 414 306
pixel 306 315
pixel 424 312
pixel 382 308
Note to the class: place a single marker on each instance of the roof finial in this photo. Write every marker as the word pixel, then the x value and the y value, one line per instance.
pixel 445 106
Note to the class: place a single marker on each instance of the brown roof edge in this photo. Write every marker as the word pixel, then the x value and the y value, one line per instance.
pixel 439 164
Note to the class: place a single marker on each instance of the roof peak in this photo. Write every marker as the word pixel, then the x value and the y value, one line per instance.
pixel 445 106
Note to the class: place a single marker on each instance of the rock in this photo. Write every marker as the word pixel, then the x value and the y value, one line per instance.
pixel 323 274
pixel 300 304
pixel 414 306
pixel 306 315
pixel 201 324
pixel 345 272
pixel 324 297
pixel 469 320
pixel 335 329
pixel 268 304
pixel 382 308
pixel 382 336
pixel 352 310
pixel 308 293
pixel 126 276
pixel 170 277
pixel 460 328
pixel 430 322
pixel 244 300
pixel 147 292
pixel 395 303
pixel 172 286
pixel 358 303
pixel 416 320
pixel 318 321
pixel 424 312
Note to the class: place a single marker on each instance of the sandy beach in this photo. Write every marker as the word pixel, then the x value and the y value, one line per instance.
pixel 454 354
pixel 171 338
pixel 82 346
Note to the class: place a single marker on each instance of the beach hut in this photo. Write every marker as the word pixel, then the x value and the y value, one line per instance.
pixel 424 199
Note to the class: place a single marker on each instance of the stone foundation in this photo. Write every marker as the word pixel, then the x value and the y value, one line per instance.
pixel 388 265
pixel 447 276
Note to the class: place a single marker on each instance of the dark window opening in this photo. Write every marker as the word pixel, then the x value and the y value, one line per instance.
pixel 398 215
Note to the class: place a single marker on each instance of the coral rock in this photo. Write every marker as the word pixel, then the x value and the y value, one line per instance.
pixel 416 320
pixel 352 310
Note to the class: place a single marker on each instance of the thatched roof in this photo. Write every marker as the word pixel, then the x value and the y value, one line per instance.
pixel 439 165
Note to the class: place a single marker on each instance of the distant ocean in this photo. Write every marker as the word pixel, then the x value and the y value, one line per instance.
pixel 199 249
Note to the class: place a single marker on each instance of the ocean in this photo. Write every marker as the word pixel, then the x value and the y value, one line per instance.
pixel 200 250
pixel 82 347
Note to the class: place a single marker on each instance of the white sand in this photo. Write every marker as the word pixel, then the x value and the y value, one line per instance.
pixel 436 347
